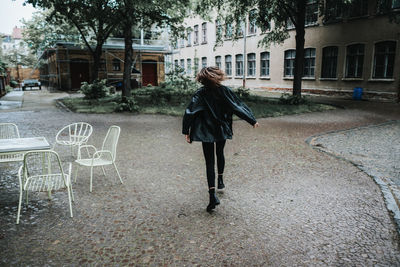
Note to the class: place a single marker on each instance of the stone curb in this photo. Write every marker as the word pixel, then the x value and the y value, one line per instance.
pixel 391 195
pixel 60 105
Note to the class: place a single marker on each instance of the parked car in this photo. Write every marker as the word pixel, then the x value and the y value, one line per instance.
pixel 31 83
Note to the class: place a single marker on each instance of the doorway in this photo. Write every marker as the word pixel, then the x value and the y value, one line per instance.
pixel 149 73
pixel 79 71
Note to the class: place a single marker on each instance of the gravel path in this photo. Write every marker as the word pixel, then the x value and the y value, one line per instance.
pixel 374 149
pixel 285 204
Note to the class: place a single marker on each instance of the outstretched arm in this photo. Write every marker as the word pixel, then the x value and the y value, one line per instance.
pixel 239 108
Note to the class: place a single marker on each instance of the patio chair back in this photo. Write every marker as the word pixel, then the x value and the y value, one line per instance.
pixel 111 141
pixel 42 172
pixel 8 131
pixel 74 134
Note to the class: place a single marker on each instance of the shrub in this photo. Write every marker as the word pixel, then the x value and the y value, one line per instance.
pixel 242 92
pixel 129 104
pixel 96 90
pixel 292 99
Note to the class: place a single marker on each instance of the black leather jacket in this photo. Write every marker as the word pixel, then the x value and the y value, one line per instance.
pixel 208 117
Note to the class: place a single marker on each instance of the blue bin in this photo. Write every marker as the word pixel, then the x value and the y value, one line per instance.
pixel 357 93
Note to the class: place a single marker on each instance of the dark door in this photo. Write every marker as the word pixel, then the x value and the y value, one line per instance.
pixel 149 73
pixel 79 69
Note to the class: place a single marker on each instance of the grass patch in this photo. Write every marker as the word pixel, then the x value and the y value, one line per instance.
pixel 261 106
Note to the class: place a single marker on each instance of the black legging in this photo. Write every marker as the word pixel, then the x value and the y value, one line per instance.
pixel 208 150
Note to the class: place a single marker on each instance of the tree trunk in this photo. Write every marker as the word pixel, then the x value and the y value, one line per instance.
pixel 299 60
pixel 96 61
pixel 126 89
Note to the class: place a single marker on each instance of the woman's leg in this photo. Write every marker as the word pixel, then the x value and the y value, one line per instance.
pixel 220 156
pixel 220 162
pixel 208 151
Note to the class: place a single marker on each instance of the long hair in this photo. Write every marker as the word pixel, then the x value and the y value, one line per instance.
pixel 210 76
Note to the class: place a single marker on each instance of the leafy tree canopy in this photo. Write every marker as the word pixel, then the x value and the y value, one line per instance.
pixel 43 31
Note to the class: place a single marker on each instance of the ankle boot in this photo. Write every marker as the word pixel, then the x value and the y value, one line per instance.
pixel 220 182
pixel 213 200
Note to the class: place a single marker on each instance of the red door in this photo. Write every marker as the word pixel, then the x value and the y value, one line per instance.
pixel 149 73
pixel 79 69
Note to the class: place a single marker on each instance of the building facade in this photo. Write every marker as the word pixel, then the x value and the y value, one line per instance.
pixel 359 49
pixel 68 65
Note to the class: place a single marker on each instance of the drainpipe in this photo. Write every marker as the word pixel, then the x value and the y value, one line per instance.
pixel 244 53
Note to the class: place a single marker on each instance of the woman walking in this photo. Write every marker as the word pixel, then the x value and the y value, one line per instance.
pixel 208 119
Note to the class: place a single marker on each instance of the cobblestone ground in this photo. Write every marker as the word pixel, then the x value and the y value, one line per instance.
pixel 285 204
pixel 374 149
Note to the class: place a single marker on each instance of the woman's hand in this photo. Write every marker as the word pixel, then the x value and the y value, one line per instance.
pixel 187 137
pixel 256 125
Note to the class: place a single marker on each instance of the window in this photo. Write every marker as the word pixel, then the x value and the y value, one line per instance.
pixel 240 29
pixel 204 33
pixel 309 62
pixel 181 42
pixel 203 62
pixel 228 65
pixel 384 60
pixel 252 21
pixel 228 31
pixel 395 4
pixel 358 8
pixel 116 64
pixel 251 64
pixel 289 24
pixel 289 62
pixel 354 60
pixel 189 66
pixel 333 10
pixel 218 61
pixel 239 65
pixel 218 29
pixel 329 62
pixel 264 63
pixel 196 34
pixel 311 12
pixel 182 65
pixel 189 36
pixel 176 63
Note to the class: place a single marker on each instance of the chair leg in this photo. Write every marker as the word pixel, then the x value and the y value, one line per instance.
pixel 91 178
pixel 115 166
pixel 76 171
pixel 26 197
pixel 69 198
pixel 72 191
pixel 104 171
pixel 19 206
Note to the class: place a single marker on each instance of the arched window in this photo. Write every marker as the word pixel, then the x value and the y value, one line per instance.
pixel 329 62
pixel 239 65
pixel 251 64
pixel 289 62
pixel 384 60
pixel 228 65
pixel 354 60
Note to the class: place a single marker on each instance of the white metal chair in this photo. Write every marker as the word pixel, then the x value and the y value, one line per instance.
pixel 10 131
pixel 105 156
pixel 42 172
pixel 75 134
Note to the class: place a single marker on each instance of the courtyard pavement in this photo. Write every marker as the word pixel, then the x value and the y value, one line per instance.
pixel 285 203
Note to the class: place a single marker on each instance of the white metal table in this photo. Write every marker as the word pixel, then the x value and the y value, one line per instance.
pixel 21 145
